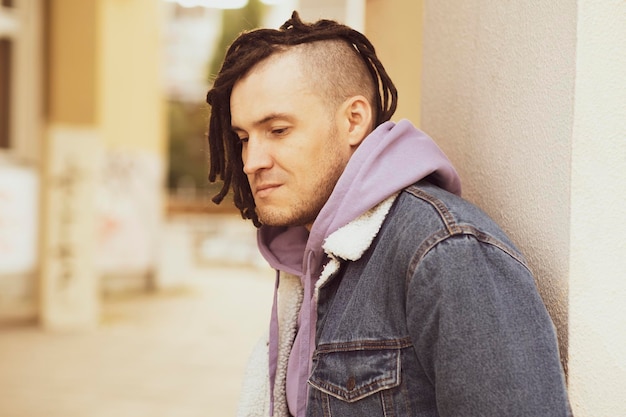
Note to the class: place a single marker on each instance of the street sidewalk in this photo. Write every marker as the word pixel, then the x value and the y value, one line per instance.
pixel 178 353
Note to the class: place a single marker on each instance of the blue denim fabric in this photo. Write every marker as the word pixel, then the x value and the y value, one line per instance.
pixel 440 317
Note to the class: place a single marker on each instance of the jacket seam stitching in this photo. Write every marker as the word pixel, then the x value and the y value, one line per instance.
pixel 463 230
pixel 452 228
pixel 364 345
pixel 444 213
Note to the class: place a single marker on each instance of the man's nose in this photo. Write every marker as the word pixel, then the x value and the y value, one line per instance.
pixel 255 155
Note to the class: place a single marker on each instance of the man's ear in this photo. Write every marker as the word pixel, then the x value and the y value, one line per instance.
pixel 358 116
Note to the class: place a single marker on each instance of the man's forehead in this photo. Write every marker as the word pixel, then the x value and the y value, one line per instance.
pixel 289 60
pixel 278 72
pixel 262 95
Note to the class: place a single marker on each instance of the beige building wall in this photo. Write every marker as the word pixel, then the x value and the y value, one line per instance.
pixel 104 152
pixel 131 106
pixel 528 100
pixel 498 96
pixel 72 61
pixel 133 125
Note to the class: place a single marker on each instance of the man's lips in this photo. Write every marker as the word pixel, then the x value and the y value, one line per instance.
pixel 265 189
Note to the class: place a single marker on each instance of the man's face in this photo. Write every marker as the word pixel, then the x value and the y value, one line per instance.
pixel 293 152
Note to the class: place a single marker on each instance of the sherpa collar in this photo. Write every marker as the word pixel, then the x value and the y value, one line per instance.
pixel 351 241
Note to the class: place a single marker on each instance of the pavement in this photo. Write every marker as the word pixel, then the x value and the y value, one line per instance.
pixel 174 353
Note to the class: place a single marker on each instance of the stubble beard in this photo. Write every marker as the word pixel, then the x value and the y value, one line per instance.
pixel 302 212
pixel 304 209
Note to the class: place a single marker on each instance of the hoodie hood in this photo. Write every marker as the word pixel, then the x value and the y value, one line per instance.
pixel 388 160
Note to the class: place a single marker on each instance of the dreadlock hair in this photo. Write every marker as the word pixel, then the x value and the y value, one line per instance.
pixel 252 47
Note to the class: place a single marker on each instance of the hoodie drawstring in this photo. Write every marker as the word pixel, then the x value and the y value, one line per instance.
pixel 273 348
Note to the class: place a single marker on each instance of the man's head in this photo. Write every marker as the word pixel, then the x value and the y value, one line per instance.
pixel 302 98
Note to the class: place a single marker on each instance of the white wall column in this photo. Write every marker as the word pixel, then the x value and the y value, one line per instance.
pixel 597 353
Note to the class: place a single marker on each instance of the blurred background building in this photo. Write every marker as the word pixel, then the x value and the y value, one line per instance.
pixel 103 159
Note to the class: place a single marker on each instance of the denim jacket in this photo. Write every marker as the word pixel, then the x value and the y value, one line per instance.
pixel 426 308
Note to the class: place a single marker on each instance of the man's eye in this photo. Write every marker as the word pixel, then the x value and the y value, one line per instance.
pixel 279 131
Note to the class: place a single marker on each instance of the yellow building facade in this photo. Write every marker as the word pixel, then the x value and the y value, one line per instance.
pixel 83 153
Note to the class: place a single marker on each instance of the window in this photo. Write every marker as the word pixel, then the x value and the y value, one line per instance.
pixel 7 26
pixel 21 56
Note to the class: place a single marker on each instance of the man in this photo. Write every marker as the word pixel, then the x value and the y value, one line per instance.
pixel 394 296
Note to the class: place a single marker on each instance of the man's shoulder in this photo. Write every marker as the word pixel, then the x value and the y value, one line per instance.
pixel 428 201
pixel 426 209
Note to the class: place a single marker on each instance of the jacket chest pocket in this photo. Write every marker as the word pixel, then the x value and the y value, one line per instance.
pixel 352 380
pixel 352 375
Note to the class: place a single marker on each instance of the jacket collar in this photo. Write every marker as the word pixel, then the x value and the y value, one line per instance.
pixel 351 241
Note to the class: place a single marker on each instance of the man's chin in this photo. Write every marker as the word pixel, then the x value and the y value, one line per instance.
pixel 278 218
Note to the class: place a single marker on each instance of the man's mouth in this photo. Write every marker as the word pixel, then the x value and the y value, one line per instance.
pixel 265 190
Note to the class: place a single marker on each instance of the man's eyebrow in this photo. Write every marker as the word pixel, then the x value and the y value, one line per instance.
pixel 263 120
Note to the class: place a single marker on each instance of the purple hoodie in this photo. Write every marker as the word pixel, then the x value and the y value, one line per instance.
pixel 389 159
